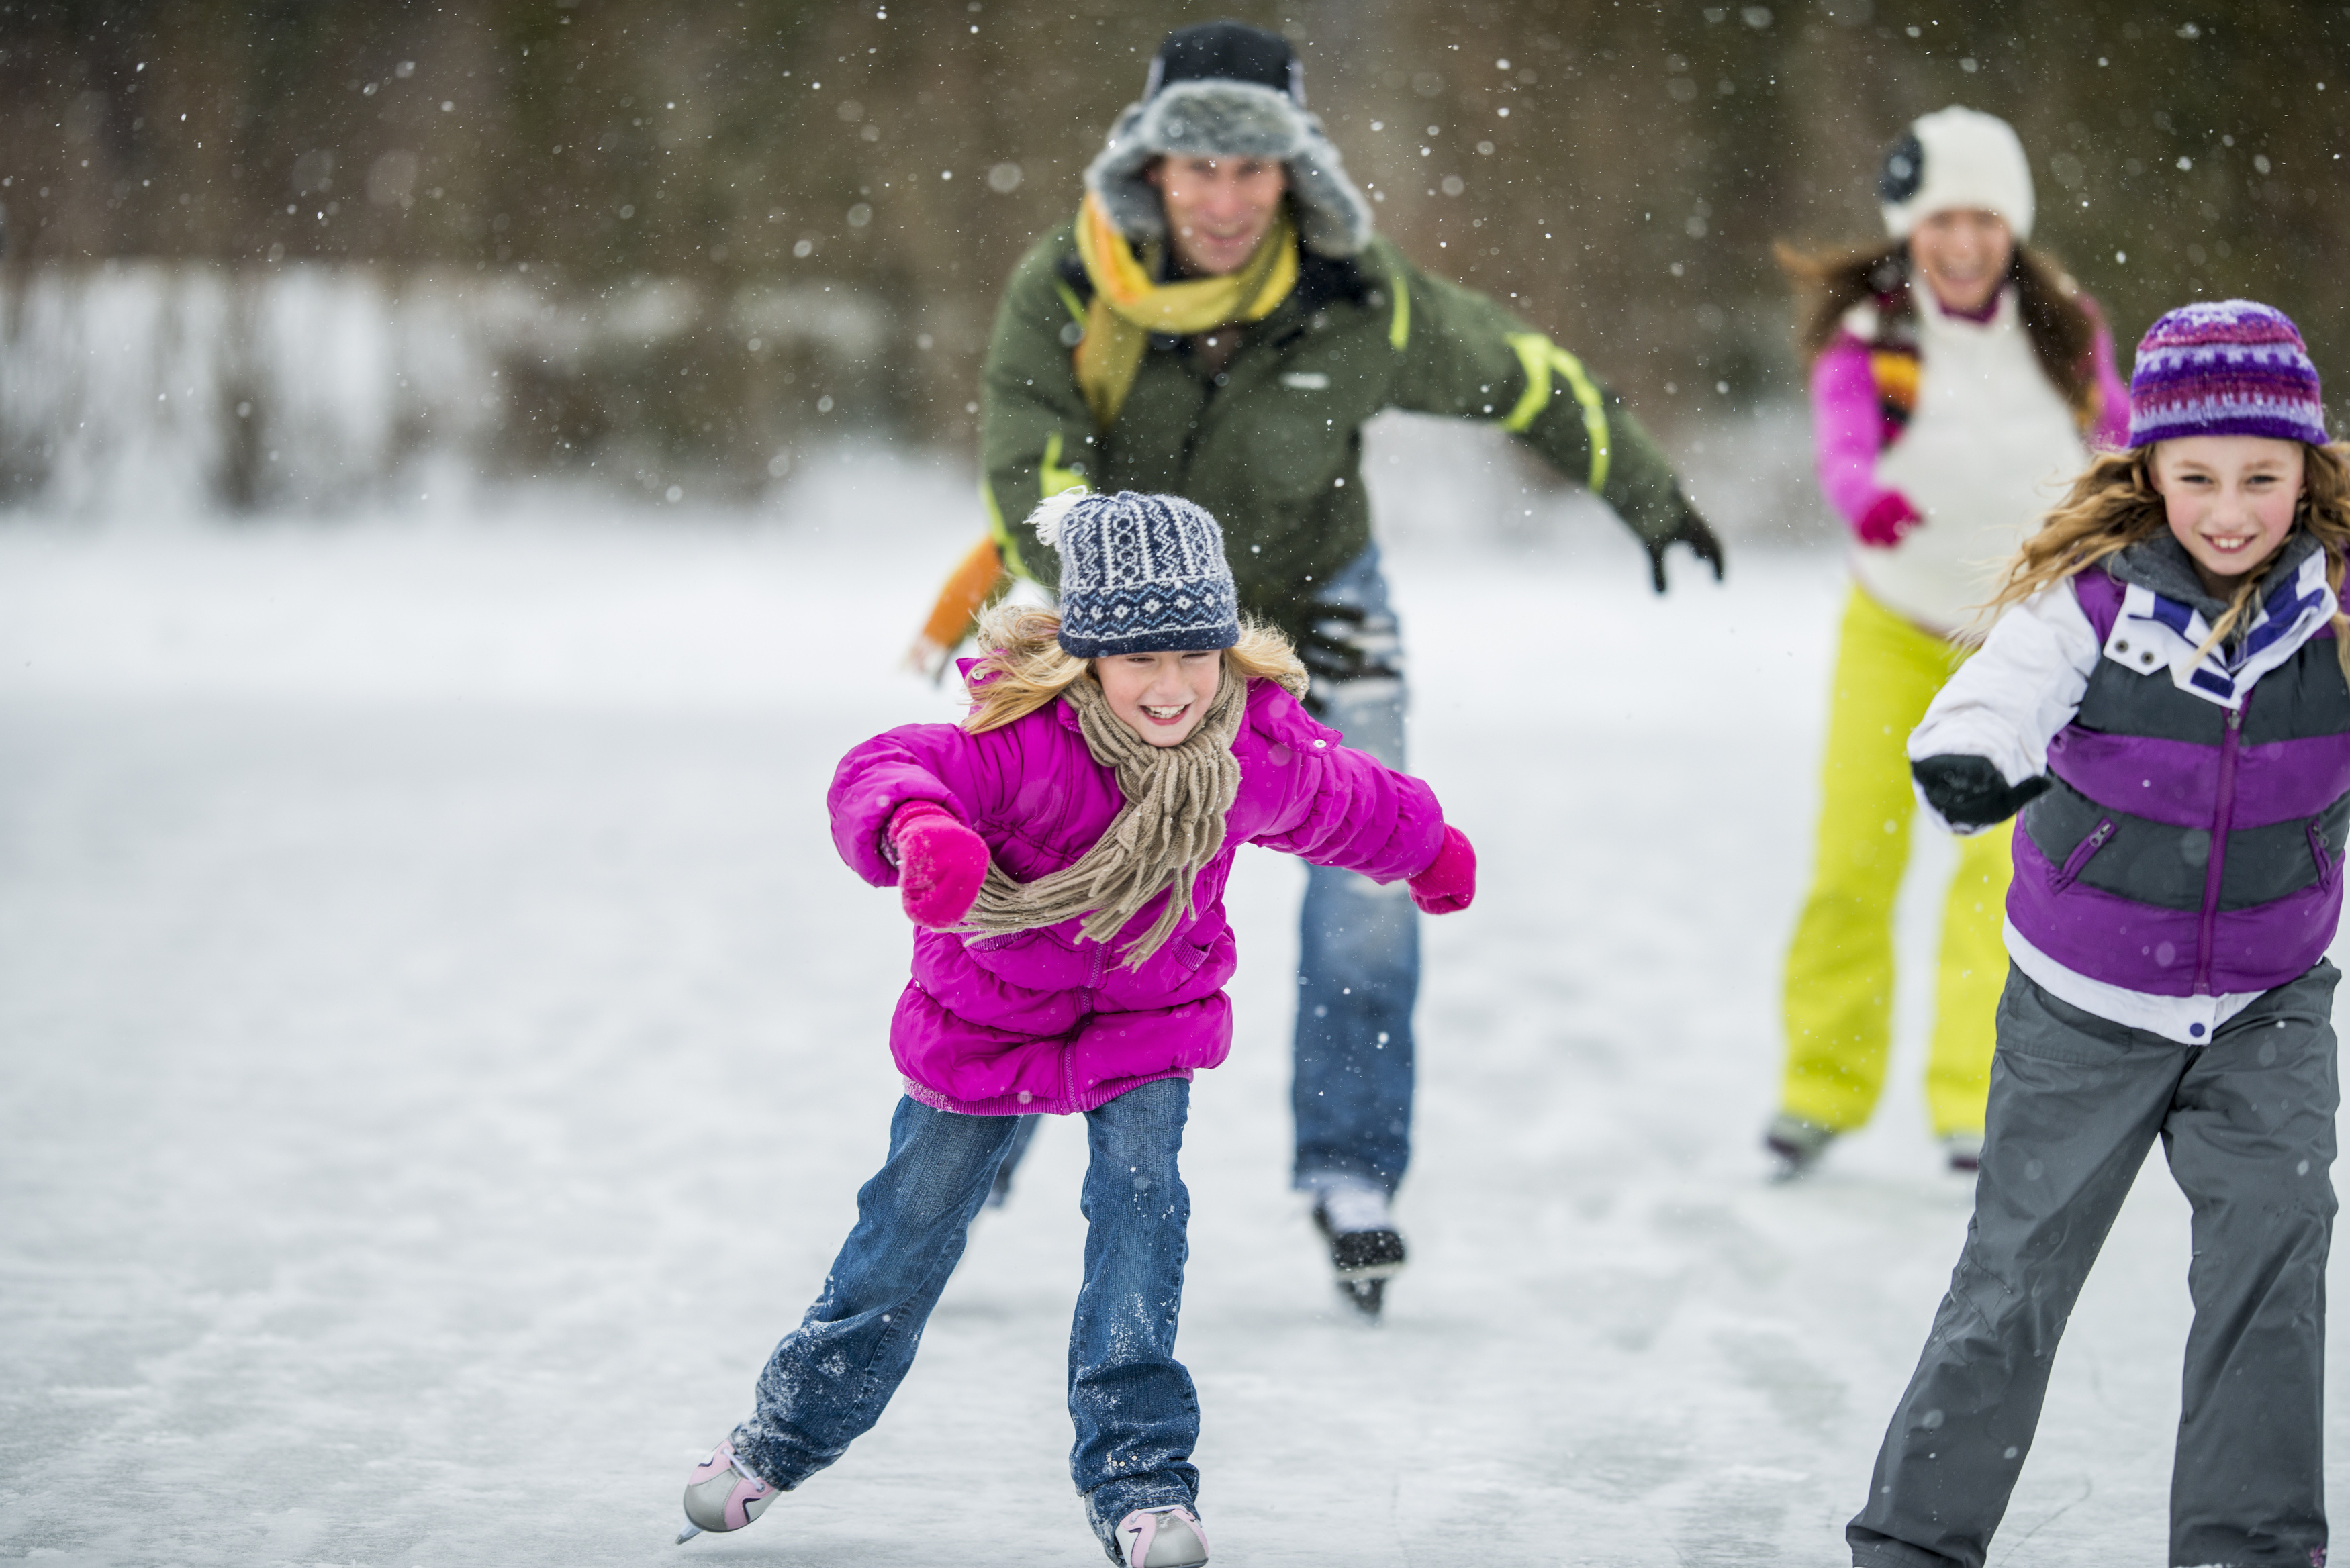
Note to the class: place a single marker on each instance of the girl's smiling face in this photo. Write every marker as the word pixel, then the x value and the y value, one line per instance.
pixel 1161 697
pixel 2231 502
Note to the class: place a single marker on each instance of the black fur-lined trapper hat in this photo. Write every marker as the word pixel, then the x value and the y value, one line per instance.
pixel 1222 89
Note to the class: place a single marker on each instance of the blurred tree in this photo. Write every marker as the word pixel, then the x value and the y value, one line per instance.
pixel 752 221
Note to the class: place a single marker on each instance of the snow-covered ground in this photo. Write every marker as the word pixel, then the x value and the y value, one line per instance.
pixel 439 1050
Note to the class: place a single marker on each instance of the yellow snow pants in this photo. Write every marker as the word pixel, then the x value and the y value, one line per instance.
pixel 1839 997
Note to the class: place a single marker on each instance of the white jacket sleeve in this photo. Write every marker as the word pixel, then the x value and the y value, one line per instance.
pixel 2007 702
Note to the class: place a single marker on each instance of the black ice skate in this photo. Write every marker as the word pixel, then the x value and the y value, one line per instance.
pixel 1364 1247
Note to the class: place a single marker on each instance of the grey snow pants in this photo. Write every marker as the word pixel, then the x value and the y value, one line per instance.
pixel 2247 1124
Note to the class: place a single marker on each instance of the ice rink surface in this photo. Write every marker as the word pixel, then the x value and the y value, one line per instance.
pixel 439 1050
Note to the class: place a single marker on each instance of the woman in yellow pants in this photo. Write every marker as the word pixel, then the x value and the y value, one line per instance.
pixel 1955 375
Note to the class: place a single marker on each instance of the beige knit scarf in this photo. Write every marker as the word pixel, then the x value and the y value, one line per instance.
pixel 1172 823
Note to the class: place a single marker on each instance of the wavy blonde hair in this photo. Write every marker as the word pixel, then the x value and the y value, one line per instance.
pixel 2114 504
pixel 1026 667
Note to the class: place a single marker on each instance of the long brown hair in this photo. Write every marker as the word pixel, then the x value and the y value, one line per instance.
pixel 1828 282
pixel 2114 504
pixel 1026 667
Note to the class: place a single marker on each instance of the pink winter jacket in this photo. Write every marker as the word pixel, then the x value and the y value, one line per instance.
pixel 1043 1020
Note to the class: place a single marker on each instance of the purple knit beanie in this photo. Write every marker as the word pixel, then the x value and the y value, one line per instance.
pixel 2233 368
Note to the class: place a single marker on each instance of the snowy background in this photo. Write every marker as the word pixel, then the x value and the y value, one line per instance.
pixel 441 1050
pixel 461 488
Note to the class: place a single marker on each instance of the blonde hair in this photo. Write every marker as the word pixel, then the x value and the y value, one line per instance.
pixel 2114 504
pixel 1027 667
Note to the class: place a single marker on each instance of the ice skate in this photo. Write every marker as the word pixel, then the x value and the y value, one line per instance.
pixel 724 1494
pixel 1364 1247
pixel 1794 1145
pixel 1160 1537
pixel 1965 1151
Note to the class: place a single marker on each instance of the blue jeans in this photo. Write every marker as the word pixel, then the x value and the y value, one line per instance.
pixel 1358 943
pixel 1135 1413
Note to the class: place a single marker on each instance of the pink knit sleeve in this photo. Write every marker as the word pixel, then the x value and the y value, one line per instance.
pixel 1847 427
pixel 2113 397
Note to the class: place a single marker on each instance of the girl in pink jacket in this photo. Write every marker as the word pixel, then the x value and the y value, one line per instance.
pixel 1063 852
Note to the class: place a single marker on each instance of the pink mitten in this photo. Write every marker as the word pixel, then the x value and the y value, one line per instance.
pixel 941 864
pixel 1888 519
pixel 1449 882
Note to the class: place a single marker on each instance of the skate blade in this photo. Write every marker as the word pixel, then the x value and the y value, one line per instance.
pixel 688 1534
pixel 1366 1296
pixel 1368 1273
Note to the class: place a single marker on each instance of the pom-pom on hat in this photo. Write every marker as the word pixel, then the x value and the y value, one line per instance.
pixel 1955 159
pixel 1140 574
pixel 2233 367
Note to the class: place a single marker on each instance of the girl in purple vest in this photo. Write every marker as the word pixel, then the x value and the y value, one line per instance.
pixel 2166 705
pixel 1063 852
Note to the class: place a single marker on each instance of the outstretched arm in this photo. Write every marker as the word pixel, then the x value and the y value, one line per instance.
pixel 1979 755
pixel 1339 806
pixel 1466 357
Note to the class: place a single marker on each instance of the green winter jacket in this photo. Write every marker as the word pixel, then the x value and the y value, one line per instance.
pixel 1273 445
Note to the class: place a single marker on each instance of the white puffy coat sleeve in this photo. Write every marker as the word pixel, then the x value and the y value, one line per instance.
pixel 2008 701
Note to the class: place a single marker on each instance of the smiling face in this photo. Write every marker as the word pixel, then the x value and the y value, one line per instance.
pixel 2230 500
pixel 1963 256
pixel 1161 697
pixel 1218 209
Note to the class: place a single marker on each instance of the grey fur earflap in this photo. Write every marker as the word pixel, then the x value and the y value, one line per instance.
pixel 1223 118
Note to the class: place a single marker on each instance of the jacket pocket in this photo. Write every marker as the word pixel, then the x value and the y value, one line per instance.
pixel 2082 852
pixel 2329 864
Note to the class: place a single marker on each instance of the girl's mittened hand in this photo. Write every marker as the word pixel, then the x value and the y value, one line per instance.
pixel 941 864
pixel 1971 793
pixel 1450 883
pixel 1888 520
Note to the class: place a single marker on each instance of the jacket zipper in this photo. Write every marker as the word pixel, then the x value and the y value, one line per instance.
pixel 2071 870
pixel 2217 867
pixel 2327 862
pixel 1094 968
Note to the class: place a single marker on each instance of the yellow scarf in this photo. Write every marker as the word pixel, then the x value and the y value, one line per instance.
pixel 1128 307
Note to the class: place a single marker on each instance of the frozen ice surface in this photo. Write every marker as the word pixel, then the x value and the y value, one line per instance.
pixel 441 1051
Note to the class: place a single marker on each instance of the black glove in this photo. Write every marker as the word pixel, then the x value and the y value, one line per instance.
pixel 1693 531
pixel 1969 793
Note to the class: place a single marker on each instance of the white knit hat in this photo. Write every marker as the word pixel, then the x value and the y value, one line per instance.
pixel 1951 160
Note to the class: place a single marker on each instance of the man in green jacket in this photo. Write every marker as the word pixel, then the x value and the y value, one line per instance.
pixel 1217 323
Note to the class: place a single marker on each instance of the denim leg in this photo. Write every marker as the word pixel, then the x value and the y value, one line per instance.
pixel 828 1381
pixel 1358 943
pixel 2250 1142
pixel 1132 1403
pixel 1001 1193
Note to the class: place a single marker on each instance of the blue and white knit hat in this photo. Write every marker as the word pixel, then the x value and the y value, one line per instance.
pixel 1140 574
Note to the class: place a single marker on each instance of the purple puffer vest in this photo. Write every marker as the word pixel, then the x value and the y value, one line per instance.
pixel 1045 1020
pixel 2187 848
